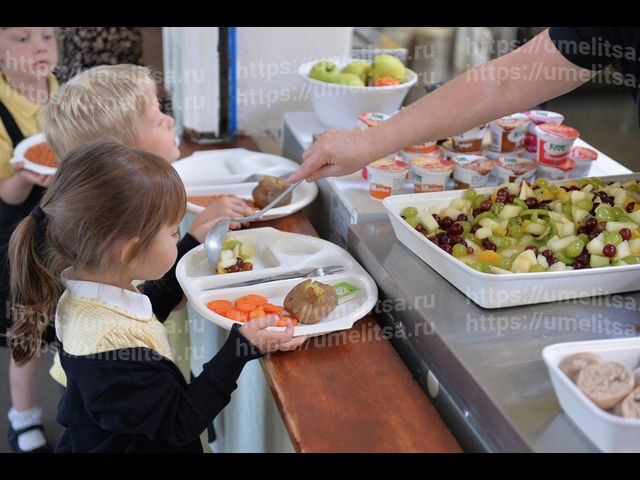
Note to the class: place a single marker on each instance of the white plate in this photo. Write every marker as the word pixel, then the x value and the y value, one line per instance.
pixel 231 165
pixel 507 290
pixel 278 252
pixel 303 195
pixel 610 433
pixel 21 148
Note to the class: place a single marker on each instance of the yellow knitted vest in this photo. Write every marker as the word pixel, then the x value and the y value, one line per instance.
pixel 85 327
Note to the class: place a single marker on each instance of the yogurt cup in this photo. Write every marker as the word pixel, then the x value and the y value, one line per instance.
pixel 367 120
pixel 386 177
pixel 556 172
pixel 470 141
pixel 471 171
pixel 487 152
pixel 450 152
pixel 555 142
pixel 514 169
pixel 584 158
pixel 410 153
pixel 507 133
pixel 430 174
pixel 538 117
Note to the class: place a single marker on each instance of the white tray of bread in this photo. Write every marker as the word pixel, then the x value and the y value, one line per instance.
pixel 598 386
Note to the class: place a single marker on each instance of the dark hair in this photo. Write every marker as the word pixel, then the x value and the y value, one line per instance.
pixel 102 193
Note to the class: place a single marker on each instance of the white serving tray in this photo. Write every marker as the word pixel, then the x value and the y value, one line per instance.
pixel 506 290
pixel 303 195
pixel 230 165
pixel 21 148
pixel 608 432
pixel 278 252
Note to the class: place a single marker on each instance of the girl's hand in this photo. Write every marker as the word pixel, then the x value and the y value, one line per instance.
pixel 270 341
pixel 215 211
pixel 199 232
pixel 32 177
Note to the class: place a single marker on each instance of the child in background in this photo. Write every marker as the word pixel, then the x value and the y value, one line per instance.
pixel 111 216
pixel 28 55
pixel 119 103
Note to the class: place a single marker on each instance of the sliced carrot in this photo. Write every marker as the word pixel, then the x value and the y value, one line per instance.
pixel 256 313
pixel 244 306
pixel 237 315
pixel 253 298
pixel 220 305
pixel 283 321
pixel 269 308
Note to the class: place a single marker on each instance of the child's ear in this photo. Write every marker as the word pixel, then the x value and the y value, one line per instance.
pixel 126 249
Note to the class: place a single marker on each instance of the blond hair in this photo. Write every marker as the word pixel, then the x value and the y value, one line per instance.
pixel 102 193
pixel 103 103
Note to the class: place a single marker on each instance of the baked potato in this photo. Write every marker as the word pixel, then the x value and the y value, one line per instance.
pixel 269 188
pixel 311 301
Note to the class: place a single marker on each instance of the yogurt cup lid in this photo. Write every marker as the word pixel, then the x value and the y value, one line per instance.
pixel 518 165
pixel 562 131
pixel 583 153
pixel 543 116
pixel 433 163
pixel 422 148
pixel 388 165
pixel 479 163
pixel 372 119
pixel 512 121
pixel 565 167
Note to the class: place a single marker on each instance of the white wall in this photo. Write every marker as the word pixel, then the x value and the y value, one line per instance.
pixel 268 82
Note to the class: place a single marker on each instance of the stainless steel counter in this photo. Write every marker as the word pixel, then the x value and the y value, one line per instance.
pixel 483 369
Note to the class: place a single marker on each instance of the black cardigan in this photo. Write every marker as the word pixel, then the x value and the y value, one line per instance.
pixel 134 400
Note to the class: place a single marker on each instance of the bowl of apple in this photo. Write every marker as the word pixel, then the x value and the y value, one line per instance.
pixel 342 88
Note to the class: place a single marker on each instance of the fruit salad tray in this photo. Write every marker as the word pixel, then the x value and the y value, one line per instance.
pixel 519 244
pixel 267 252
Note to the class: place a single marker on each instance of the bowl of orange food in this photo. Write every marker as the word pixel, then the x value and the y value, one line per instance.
pixel 36 155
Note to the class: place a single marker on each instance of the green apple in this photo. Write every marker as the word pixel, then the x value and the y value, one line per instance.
pixel 387 66
pixel 350 80
pixel 325 71
pixel 359 68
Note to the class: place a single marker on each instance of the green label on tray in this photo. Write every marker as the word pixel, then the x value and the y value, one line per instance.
pixel 345 289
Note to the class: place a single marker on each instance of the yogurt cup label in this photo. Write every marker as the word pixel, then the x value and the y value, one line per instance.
pixel 386 177
pixel 431 174
pixel 555 143
pixel 368 120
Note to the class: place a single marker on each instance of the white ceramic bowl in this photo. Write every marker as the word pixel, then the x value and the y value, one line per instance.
pixel 339 105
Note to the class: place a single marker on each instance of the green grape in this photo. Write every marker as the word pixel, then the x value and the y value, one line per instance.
pixel 603 214
pixel 470 194
pixel 563 258
pixel 483 215
pixel 477 200
pixel 413 221
pixel 619 214
pixel 497 207
pixel 516 231
pixel 536 268
pixel 486 267
pixel 575 248
pixel 474 265
pixel 553 189
pixel 585 205
pixel 505 262
pixel 566 209
pixel 409 212
pixel 542 182
pixel 466 226
pixel 632 259
pixel 459 250
pixel 503 243
pixel 584 237
pixel 614 238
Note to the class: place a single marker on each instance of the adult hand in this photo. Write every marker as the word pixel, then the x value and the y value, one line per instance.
pixel 270 341
pixel 336 152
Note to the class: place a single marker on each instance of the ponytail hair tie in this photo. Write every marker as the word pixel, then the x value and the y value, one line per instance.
pixel 37 214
